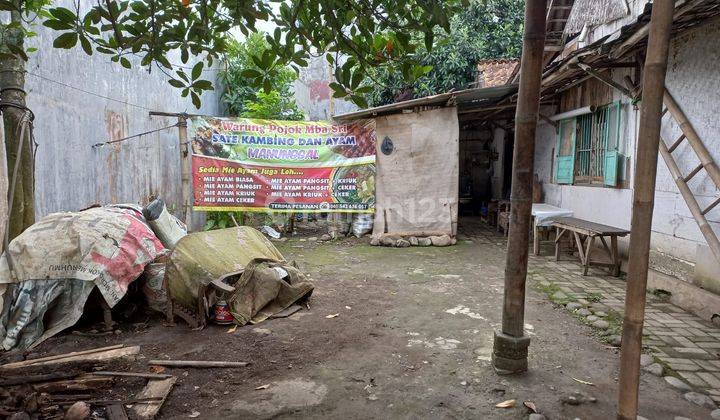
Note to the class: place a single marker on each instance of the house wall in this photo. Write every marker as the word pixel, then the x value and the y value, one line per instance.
pixel 694 81
pixel 80 100
pixel 678 248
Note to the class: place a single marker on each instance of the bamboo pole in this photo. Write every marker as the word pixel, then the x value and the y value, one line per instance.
pixel 643 201
pixel 185 168
pixel 510 347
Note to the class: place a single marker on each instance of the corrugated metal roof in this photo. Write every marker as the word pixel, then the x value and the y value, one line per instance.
pixel 464 99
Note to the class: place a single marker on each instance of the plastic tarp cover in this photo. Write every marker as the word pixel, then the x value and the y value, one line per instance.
pixel 417 183
pixel 268 283
pixel 59 260
pixel 545 213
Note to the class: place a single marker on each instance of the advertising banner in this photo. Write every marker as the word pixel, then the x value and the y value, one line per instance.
pixel 241 164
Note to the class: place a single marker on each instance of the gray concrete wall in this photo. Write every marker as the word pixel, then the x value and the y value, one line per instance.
pixel 80 100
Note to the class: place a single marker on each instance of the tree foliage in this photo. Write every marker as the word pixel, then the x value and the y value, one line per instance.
pixel 485 29
pixel 371 33
pixel 242 98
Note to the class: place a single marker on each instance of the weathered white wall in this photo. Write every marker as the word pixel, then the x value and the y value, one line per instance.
pixel 313 94
pixel 693 78
pixel 80 100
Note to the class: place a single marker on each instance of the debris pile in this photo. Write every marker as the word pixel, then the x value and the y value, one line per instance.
pixel 48 272
pixel 78 385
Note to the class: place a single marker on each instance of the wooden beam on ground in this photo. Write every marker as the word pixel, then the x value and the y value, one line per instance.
pixel 197 363
pixel 155 388
pixel 102 353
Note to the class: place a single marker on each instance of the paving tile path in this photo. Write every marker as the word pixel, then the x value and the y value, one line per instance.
pixel 687 346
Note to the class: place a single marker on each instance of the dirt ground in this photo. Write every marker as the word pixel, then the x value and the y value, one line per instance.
pixel 412 339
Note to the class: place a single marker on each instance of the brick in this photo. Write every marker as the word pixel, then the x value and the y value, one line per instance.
pixel 685 367
pixel 706 365
pixel 690 350
pixel 712 380
pixel 693 379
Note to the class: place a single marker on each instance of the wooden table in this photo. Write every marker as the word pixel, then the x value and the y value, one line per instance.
pixel 585 233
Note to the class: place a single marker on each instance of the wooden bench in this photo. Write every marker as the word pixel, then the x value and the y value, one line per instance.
pixel 585 233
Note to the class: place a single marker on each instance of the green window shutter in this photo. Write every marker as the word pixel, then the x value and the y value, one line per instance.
pixel 613 158
pixel 565 162
pixel 612 168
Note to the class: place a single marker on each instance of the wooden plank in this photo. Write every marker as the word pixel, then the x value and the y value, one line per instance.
pixel 197 363
pixel 31 379
pixel 155 388
pixel 133 374
pixel 71 358
pixel 558 236
pixel 590 243
pixel 83 383
pixel 614 255
pixel 57 357
pixel 587 227
pixel 579 243
pixel 115 412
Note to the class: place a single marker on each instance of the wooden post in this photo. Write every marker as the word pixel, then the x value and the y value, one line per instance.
pixel 186 164
pixel 510 347
pixel 643 201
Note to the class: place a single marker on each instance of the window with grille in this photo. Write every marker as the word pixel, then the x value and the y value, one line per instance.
pixel 588 148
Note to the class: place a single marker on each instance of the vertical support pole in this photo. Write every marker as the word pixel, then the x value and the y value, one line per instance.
pixel 643 202
pixel 185 169
pixel 510 347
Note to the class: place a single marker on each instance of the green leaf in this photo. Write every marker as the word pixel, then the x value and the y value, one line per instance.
pixel 7 6
pixel 250 73
pixel 181 74
pixel 338 90
pixel 209 224
pixel 66 40
pixel 197 70
pixel 359 101
pixel 86 45
pixel 429 40
pixel 357 78
pixel 58 25
pixel 203 85
pixel 195 100
pixel 125 62
pixel 176 83
pixel 184 55
pixel 63 14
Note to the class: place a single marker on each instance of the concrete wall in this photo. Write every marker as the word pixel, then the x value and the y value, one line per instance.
pixel 80 100
pixel 678 247
pixel 313 94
